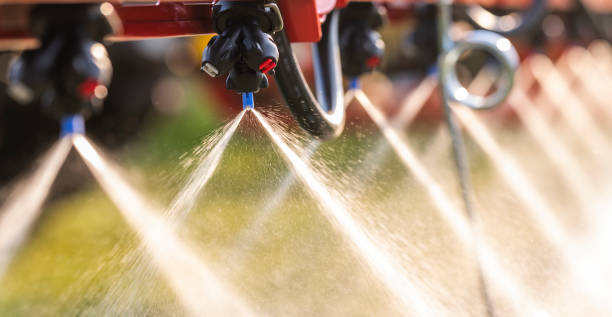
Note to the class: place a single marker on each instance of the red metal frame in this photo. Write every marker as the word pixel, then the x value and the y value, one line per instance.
pixel 191 18
pixel 301 20
pixel 163 20
pixel 142 19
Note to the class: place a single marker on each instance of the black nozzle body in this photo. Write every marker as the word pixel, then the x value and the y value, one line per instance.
pixel 244 49
pixel 420 48
pixel 70 72
pixel 361 46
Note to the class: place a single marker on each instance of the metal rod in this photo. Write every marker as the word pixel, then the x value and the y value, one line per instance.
pixel 445 44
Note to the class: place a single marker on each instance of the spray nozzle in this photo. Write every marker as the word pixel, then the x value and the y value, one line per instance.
pixel 244 49
pixel 70 72
pixel 361 46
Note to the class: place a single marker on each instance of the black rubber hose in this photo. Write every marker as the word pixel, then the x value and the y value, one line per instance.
pixel 322 117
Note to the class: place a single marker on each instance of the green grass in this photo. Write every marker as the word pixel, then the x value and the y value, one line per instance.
pixel 166 137
pixel 76 236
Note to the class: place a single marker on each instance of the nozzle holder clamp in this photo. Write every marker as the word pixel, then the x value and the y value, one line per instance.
pixel 268 15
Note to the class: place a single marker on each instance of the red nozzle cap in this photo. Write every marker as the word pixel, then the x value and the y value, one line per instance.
pixel 373 61
pixel 267 65
pixel 88 88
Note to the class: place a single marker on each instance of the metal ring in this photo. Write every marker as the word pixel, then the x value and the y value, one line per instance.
pixel 510 24
pixel 500 48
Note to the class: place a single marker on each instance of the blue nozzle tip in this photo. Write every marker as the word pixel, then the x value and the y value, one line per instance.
pixel 433 70
pixel 247 100
pixel 74 124
pixel 354 83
